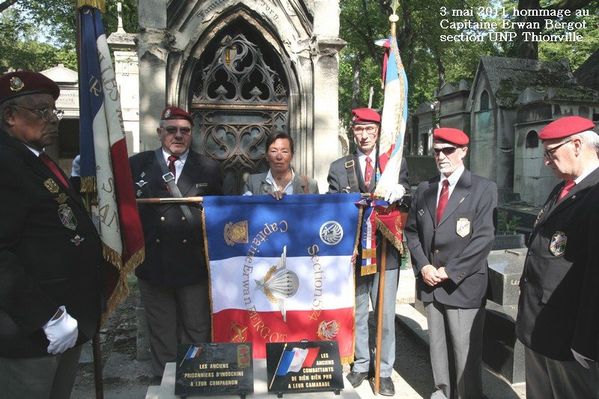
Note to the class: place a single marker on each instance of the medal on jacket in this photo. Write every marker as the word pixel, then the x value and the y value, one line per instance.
pixel 538 217
pixel 67 217
pixel 51 186
pixel 557 245
pixel 61 198
pixel 77 240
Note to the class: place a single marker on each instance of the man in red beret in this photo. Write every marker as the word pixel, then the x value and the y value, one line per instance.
pixel 358 173
pixel 450 232
pixel 558 311
pixel 173 279
pixel 50 252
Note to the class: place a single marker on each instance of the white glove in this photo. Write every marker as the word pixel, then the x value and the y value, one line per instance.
pixel 395 193
pixel 61 332
pixel 582 360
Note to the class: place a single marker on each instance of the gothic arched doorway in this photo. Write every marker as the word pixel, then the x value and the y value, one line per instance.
pixel 239 95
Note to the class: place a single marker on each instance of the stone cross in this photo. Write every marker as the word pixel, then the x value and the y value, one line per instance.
pixel 119 10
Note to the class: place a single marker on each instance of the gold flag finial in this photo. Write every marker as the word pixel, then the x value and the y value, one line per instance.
pixel 394 6
pixel 393 18
pixel 99 4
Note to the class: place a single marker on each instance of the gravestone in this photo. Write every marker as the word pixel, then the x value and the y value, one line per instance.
pixel 501 350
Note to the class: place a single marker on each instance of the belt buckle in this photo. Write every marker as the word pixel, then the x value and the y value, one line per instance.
pixel 168 177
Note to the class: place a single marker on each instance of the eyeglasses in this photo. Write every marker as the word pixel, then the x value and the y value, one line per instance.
pixel 185 131
pixel 445 150
pixel 44 113
pixel 361 130
pixel 548 154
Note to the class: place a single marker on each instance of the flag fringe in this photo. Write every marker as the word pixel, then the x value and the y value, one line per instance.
pixel 388 234
pixel 88 184
pixel 347 359
pixel 368 269
pixel 121 290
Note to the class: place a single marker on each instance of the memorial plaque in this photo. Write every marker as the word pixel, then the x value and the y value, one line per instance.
pixel 303 367
pixel 214 369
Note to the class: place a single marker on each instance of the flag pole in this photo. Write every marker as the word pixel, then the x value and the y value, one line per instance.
pixel 277 368
pixel 170 200
pixel 393 18
pixel 96 343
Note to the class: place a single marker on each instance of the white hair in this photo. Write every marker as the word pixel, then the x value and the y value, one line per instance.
pixel 590 138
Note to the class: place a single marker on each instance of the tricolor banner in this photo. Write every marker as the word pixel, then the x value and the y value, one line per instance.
pixel 393 128
pixel 282 271
pixel 103 151
pixel 394 118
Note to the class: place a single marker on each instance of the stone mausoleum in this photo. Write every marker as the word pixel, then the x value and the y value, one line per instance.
pixel 503 109
pixel 245 69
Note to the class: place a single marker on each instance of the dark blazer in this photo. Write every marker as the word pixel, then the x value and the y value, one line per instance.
pixel 341 181
pixel 258 185
pixel 559 304
pixel 461 241
pixel 174 245
pixel 50 254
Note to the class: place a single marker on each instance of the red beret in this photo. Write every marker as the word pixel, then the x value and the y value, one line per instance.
pixel 175 113
pixel 365 115
pixel 565 126
pixel 451 136
pixel 20 83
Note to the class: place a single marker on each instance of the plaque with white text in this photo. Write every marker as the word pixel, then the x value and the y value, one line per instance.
pixel 303 367
pixel 214 369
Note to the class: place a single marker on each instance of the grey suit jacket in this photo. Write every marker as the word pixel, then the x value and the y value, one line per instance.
pixel 461 241
pixel 258 185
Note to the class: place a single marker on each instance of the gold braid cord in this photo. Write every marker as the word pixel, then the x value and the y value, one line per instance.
pixel 99 4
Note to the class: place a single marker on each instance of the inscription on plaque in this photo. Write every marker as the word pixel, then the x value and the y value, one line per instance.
pixel 303 367
pixel 214 369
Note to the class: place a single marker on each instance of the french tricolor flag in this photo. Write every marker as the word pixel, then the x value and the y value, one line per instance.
pixel 281 271
pixel 295 359
pixel 105 171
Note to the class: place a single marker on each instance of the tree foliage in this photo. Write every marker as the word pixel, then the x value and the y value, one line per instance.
pixel 24 45
pixel 429 61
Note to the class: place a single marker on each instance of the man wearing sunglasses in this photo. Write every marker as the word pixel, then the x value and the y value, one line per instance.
pixel 173 279
pixel 358 173
pixel 450 232
pixel 558 311
pixel 50 252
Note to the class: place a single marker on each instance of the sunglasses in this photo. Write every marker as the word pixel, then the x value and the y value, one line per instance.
pixel 185 131
pixel 445 150
pixel 548 153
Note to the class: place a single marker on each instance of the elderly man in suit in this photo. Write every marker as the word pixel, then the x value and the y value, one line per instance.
pixel 450 232
pixel 357 173
pixel 173 280
pixel 558 311
pixel 50 252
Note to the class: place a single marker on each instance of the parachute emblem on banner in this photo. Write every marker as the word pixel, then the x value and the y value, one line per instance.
pixel 279 283
pixel 331 232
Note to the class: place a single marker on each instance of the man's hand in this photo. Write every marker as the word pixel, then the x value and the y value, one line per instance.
pixel 429 275
pixel 442 274
pixel 395 193
pixel 278 195
pixel 61 331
